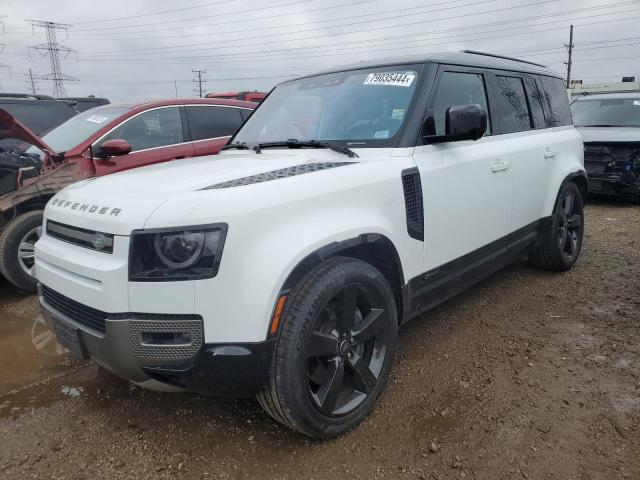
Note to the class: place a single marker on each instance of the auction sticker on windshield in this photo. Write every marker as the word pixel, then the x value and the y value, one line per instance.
pixel 97 118
pixel 397 79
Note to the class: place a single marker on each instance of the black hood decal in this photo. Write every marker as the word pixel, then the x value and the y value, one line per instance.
pixel 277 174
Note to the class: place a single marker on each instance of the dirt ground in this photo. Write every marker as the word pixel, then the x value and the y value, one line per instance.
pixel 527 375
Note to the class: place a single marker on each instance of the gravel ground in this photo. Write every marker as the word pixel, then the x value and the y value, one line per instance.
pixel 527 375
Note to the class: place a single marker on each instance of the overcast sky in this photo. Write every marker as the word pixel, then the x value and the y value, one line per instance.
pixel 130 50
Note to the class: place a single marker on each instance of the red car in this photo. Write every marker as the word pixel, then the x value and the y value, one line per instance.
pixel 248 96
pixel 86 146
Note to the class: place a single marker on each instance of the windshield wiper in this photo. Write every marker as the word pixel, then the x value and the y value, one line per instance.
pixel 294 143
pixel 236 145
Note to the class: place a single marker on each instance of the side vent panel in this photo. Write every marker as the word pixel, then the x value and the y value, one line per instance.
pixel 413 203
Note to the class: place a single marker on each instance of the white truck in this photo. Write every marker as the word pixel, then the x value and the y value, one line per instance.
pixel 348 203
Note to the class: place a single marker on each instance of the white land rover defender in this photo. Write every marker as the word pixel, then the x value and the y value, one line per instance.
pixel 348 203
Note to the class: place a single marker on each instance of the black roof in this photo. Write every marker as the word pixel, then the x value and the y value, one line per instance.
pixel 466 58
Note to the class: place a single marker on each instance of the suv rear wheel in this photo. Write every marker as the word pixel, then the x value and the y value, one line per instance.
pixel 17 249
pixel 562 244
pixel 336 346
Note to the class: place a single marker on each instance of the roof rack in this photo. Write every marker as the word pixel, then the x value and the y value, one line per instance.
pixel 476 52
pixel 25 95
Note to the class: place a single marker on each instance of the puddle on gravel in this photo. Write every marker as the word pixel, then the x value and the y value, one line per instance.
pixel 34 369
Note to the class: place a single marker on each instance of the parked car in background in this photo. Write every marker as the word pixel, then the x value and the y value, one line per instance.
pixel 85 103
pixel 40 113
pixel 254 96
pixel 610 128
pixel 97 142
pixel 350 202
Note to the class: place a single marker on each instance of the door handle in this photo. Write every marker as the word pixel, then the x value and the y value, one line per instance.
pixel 549 154
pixel 500 166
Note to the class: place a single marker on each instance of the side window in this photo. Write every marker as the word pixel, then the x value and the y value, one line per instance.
pixel 151 129
pixel 535 103
pixel 211 122
pixel 244 112
pixel 557 101
pixel 512 108
pixel 457 88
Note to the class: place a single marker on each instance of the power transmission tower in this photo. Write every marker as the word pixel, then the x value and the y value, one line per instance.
pixel 32 83
pixel 2 45
pixel 54 50
pixel 569 60
pixel 199 80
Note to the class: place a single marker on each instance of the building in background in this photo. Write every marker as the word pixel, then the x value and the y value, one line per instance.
pixel 628 84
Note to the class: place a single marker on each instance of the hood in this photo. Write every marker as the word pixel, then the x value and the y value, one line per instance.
pixel 12 128
pixel 122 202
pixel 609 134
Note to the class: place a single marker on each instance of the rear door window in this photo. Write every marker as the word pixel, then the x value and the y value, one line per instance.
pixel 535 103
pixel 557 101
pixel 210 121
pixel 458 88
pixel 512 108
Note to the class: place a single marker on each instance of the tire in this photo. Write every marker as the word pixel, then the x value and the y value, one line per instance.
pixel 23 230
pixel 318 345
pixel 562 242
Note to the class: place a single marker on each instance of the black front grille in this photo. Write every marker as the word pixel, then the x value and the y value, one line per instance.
pixel 98 241
pixel 413 203
pixel 87 316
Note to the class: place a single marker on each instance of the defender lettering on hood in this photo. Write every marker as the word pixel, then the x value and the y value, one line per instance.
pixel 85 207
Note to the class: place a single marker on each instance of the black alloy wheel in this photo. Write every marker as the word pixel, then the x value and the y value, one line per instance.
pixel 347 349
pixel 334 351
pixel 560 242
pixel 569 225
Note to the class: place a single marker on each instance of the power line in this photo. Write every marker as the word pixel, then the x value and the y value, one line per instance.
pixel 368 43
pixel 163 12
pixel 237 12
pixel 31 82
pixel 198 79
pixel 266 56
pixel 260 38
pixel 279 16
pixel 53 49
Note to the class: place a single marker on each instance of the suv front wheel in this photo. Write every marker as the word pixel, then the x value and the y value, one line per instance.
pixel 335 349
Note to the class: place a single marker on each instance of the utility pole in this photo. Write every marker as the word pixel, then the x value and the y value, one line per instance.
pixel 54 50
pixel 569 61
pixel 31 82
pixel 199 80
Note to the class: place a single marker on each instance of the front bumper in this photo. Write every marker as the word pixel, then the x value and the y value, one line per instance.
pixel 613 184
pixel 157 349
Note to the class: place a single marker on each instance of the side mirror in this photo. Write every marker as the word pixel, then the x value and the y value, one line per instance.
pixel 462 122
pixel 113 148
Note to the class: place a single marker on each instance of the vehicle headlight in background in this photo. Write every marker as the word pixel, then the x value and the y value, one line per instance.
pixel 176 254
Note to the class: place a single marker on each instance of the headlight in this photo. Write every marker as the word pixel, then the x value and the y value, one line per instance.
pixel 176 254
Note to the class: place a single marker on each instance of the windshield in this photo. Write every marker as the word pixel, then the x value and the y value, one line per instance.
pixel 78 128
pixel 357 108
pixel 619 112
